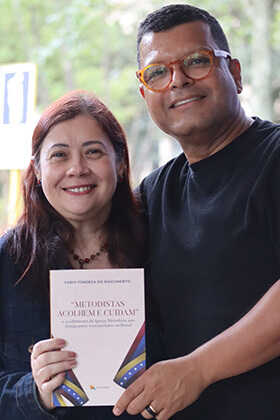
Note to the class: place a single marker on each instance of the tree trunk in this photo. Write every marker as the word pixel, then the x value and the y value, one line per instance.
pixel 262 94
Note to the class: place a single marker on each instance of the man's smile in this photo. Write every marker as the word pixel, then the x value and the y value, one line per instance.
pixel 186 101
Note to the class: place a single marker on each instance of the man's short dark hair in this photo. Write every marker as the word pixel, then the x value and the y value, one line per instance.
pixel 173 15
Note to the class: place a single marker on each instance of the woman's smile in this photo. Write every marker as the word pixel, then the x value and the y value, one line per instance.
pixel 80 190
pixel 79 170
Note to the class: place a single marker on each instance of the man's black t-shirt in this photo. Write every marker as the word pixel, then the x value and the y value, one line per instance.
pixel 215 250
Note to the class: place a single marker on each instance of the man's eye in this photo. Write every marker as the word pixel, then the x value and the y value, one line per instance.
pixel 155 72
pixel 197 61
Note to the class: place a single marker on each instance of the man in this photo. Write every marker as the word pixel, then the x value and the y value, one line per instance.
pixel 214 214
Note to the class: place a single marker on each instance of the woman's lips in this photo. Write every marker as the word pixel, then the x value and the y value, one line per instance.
pixel 80 189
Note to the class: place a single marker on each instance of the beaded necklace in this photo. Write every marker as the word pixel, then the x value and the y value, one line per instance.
pixel 104 248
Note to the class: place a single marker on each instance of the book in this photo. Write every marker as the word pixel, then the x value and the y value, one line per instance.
pixel 101 315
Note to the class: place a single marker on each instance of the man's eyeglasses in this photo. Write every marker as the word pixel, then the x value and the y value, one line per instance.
pixel 196 66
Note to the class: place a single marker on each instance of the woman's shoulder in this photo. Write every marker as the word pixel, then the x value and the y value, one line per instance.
pixel 5 240
pixel 7 246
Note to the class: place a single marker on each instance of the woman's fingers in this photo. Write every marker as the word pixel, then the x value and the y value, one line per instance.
pixel 49 364
pixel 50 359
pixel 49 386
pixel 47 372
pixel 47 345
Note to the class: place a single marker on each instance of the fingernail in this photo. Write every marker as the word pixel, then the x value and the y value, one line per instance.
pixel 72 355
pixel 61 342
pixel 116 411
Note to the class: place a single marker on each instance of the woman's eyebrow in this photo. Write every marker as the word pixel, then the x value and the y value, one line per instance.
pixel 85 144
pixel 59 145
pixel 90 142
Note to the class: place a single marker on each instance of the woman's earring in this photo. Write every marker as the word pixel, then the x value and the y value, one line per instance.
pixel 239 88
pixel 38 183
pixel 120 178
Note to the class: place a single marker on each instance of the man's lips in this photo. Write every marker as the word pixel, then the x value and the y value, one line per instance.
pixel 80 189
pixel 177 102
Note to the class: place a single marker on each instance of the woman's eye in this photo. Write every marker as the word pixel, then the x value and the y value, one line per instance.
pixel 94 153
pixel 58 155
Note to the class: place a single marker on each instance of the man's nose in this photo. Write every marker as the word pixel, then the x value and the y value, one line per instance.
pixel 179 77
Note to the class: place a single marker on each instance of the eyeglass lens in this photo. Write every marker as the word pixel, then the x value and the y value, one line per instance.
pixel 195 66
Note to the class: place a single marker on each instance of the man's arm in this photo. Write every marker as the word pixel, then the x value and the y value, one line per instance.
pixel 172 385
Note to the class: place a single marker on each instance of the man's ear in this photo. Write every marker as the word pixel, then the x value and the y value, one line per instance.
pixel 235 69
pixel 141 90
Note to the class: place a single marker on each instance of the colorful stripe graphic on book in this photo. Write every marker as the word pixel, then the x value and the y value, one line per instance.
pixel 134 363
pixel 71 390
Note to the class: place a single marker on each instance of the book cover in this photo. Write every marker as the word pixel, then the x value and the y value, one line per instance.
pixel 101 315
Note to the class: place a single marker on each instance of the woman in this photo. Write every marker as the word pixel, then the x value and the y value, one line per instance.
pixel 79 212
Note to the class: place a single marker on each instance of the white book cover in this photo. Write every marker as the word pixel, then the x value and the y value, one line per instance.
pixel 101 315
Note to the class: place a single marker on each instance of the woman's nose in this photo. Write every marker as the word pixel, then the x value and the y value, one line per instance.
pixel 78 167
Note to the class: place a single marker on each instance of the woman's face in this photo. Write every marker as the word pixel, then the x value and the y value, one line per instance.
pixel 78 170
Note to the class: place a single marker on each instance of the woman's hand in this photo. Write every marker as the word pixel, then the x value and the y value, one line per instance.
pixel 49 363
pixel 167 386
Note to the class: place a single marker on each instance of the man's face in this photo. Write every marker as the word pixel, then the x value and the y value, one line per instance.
pixel 190 107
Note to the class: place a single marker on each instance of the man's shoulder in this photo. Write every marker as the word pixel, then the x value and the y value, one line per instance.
pixel 264 141
pixel 265 128
pixel 162 174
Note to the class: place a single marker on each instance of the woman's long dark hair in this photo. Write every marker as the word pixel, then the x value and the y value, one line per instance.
pixel 42 236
